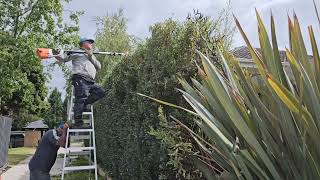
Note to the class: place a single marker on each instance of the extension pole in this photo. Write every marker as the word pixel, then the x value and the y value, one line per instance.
pixel 45 53
pixel 102 53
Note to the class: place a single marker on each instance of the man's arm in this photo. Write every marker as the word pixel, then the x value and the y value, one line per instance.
pixel 62 139
pixel 95 62
pixel 62 59
pixel 93 59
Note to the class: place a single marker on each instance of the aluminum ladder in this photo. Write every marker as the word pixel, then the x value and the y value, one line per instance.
pixel 81 135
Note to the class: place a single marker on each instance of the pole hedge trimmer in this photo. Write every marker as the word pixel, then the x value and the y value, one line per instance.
pixel 46 53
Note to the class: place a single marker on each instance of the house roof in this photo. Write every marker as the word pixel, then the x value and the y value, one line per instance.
pixel 37 125
pixel 243 52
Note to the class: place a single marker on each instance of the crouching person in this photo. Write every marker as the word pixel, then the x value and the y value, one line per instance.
pixel 46 153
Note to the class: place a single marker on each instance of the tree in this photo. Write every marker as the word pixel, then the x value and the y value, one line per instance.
pixel 22 119
pixel 112 35
pixel 54 115
pixel 24 26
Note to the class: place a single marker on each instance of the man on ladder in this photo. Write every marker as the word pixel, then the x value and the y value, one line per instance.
pixel 84 68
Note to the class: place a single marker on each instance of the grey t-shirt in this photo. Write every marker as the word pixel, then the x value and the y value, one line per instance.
pixel 46 153
pixel 83 65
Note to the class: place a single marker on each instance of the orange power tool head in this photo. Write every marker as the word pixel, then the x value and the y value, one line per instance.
pixel 44 53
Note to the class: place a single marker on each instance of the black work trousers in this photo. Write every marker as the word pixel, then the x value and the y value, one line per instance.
pixel 86 92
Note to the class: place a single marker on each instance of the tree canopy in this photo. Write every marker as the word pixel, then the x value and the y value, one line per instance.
pixel 112 36
pixel 24 26
pixel 54 115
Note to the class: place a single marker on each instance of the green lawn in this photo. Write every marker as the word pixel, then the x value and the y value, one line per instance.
pixel 15 155
pixel 78 176
pixel 82 175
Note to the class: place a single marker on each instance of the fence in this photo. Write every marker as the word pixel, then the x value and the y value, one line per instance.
pixel 5 130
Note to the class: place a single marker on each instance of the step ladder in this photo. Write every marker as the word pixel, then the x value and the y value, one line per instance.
pixel 78 143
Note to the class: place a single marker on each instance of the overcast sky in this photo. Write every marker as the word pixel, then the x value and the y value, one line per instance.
pixel 143 13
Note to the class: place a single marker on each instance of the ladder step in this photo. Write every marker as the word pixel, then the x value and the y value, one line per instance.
pixel 86 121
pixel 75 168
pixel 78 149
pixel 80 137
pixel 79 153
pixel 84 113
pixel 80 130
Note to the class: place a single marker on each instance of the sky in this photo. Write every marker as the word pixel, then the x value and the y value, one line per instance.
pixel 143 13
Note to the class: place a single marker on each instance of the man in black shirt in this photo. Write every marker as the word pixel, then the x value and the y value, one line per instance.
pixel 46 153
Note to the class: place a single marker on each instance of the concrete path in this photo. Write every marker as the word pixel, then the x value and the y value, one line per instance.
pixel 18 172
pixel 57 167
pixel 21 171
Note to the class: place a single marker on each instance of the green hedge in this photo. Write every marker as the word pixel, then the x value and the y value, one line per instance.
pixel 123 119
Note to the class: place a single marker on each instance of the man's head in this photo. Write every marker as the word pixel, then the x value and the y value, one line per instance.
pixel 60 129
pixel 86 43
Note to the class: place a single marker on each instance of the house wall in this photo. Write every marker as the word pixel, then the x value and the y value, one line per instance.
pixel 31 138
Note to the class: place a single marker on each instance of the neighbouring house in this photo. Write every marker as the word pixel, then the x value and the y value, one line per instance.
pixel 244 57
pixel 33 133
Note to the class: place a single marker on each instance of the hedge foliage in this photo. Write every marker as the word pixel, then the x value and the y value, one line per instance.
pixel 123 119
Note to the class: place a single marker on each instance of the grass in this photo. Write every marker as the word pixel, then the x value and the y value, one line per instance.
pixel 60 156
pixel 83 175
pixel 78 176
pixel 15 155
pixel 80 162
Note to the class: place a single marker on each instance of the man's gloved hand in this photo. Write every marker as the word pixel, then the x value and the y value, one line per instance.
pixel 56 51
pixel 66 125
pixel 89 52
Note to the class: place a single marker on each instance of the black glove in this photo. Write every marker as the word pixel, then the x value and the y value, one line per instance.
pixel 56 51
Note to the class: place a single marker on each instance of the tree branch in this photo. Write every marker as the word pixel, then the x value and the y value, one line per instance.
pixel 31 9
pixel 16 24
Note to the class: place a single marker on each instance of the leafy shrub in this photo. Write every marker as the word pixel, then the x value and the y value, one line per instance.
pixel 124 146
